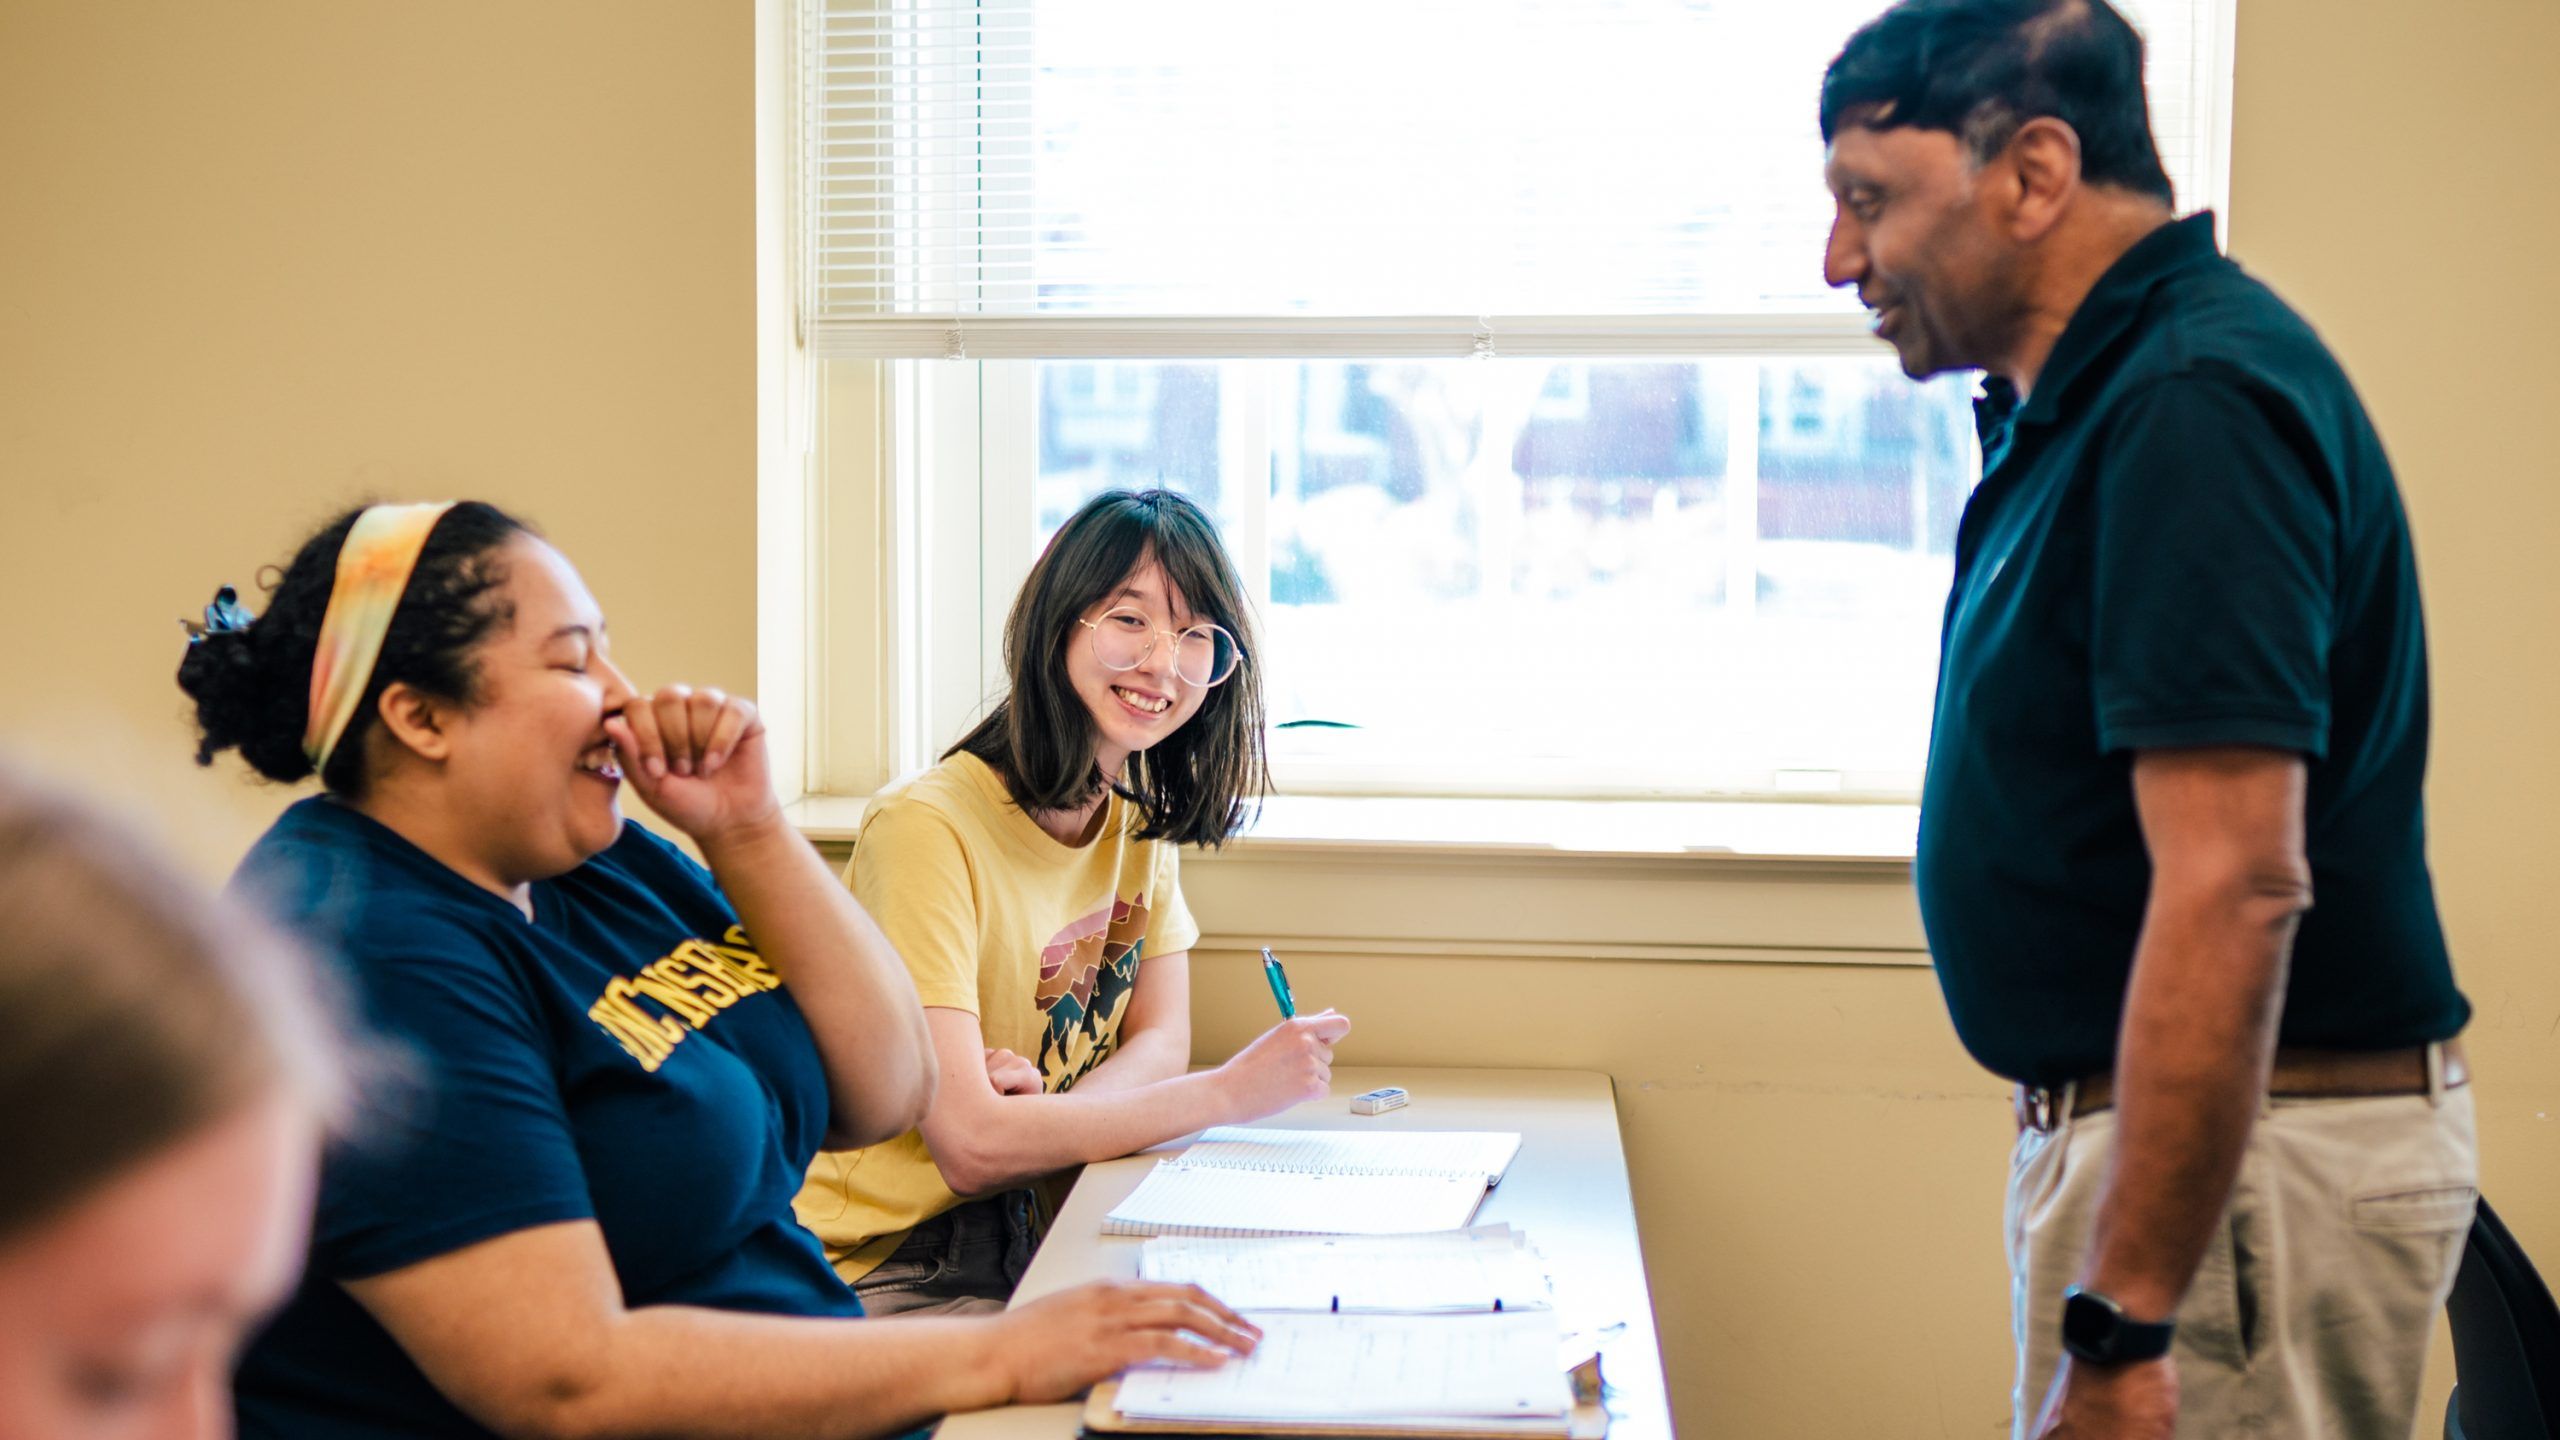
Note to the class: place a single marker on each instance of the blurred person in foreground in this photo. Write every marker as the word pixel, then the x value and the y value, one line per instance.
pixel 170 1071
pixel 2182 695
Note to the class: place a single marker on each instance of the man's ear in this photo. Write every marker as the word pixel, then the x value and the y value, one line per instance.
pixel 416 720
pixel 2044 156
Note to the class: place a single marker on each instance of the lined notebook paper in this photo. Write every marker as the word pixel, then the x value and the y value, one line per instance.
pixel 1243 1181
pixel 1488 1268
pixel 1358 1367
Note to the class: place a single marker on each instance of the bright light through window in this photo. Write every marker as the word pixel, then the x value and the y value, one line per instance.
pixel 1352 157
pixel 1091 158
pixel 1697 575
pixel 1490 560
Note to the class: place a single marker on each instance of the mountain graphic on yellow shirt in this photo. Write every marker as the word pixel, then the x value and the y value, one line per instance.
pixel 1086 973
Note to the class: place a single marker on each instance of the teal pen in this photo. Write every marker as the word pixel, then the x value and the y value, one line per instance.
pixel 1279 979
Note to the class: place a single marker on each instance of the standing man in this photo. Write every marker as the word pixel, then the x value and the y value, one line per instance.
pixel 2183 694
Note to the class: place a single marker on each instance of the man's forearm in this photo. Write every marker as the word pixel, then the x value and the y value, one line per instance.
pixel 2191 1067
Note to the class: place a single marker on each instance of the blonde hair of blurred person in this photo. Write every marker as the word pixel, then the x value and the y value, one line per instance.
pixel 170 1073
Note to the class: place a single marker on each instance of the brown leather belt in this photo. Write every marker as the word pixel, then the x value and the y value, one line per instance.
pixel 2299 1073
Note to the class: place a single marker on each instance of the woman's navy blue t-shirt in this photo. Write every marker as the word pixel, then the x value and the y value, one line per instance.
pixel 624 1057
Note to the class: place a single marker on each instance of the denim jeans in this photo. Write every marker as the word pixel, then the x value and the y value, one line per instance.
pixel 964 1261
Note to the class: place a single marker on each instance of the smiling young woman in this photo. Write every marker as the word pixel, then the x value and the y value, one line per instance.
pixel 583 1225
pixel 170 1068
pixel 1026 877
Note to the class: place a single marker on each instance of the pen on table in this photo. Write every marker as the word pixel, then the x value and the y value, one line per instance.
pixel 1279 979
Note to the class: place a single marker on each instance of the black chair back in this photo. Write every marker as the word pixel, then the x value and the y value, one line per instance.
pixel 2506 1342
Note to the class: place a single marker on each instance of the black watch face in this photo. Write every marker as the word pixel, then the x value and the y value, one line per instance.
pixel 2088 1326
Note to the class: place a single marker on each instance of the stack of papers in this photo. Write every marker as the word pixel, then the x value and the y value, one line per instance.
pixel 1399 1371
pixel 1448 1334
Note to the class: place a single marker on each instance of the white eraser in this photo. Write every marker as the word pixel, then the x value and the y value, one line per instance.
pixel 1378 1102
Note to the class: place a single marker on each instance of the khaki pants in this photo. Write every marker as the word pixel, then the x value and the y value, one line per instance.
pixel 2310 1316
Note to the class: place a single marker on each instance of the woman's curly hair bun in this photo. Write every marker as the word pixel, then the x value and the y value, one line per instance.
pixel 250 677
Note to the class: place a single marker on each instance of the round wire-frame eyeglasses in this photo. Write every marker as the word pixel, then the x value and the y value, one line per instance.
pixel 1203 655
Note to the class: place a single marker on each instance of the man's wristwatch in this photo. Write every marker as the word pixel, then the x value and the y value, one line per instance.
pixel 2096 1329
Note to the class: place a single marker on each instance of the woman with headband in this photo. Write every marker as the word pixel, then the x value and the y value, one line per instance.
pixel 581 1222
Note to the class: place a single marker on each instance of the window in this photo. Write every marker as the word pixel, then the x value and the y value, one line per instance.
pixel 1492 332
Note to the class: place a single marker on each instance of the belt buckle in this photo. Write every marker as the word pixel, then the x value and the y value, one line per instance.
pixel 2039 1107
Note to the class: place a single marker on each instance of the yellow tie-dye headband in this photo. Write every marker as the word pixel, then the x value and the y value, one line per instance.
pixel 373 568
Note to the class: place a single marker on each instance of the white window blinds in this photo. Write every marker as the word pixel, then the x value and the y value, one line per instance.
pixel 1054 178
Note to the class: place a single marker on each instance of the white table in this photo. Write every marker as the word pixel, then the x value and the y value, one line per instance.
pixel 1567 1190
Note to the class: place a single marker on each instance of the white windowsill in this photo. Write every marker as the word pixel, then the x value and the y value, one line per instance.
pixel 1825 834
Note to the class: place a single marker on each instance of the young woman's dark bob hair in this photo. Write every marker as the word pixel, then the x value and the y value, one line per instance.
pixel 1195 787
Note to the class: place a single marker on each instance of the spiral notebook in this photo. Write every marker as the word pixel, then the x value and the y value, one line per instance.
pixel 1240 1180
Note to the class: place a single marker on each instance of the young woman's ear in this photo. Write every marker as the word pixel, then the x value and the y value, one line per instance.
pixel 415 719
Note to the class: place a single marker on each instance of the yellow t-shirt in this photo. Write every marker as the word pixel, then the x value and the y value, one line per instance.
pixel 1040 940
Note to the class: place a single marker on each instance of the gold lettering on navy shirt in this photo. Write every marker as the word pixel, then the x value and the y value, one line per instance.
pixel 689 986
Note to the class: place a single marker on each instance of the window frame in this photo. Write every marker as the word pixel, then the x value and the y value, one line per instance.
pixel 916 484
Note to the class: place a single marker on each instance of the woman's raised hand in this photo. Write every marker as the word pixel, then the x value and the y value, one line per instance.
pixel 697 757
pixel 1056 1346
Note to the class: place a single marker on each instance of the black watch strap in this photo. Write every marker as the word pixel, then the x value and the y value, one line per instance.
pixel 2096 1329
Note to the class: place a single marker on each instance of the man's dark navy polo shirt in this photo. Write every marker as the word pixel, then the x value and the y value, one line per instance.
pixel 2188 535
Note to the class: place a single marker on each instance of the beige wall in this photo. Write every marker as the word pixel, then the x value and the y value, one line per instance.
pixel 2390 174
pixel 262 260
